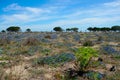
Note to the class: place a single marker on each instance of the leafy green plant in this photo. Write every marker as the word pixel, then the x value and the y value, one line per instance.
pixel 84 55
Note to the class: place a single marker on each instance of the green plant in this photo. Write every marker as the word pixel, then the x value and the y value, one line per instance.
pixel 84 55
pixel 88 43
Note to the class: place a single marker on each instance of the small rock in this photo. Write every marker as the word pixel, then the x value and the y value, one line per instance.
pixel 26 67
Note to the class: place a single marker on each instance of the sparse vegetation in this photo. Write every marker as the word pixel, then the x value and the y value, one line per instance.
pixel 59 55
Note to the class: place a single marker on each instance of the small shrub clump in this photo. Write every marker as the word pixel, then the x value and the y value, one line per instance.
pixel 31 41
pixel 88 43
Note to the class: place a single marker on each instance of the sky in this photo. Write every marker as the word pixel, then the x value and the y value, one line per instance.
pixel 44 15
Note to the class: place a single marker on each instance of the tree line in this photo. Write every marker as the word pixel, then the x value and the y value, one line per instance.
pixel 74 29
pixel 15 29
pixel 113 28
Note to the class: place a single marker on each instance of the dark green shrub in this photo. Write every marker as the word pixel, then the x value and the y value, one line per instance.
pixel 88 43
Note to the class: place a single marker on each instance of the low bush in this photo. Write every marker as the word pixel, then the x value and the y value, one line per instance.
pixel 88 43
pixel 31 41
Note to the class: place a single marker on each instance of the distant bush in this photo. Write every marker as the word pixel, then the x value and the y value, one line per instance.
pixel 58 29
pixel 31 41
pixel 28 30
pixel 88 43
pixel 3 31
pixel 13 29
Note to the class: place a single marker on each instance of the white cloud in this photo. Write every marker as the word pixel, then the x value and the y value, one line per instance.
pixel 113 4
pixel 24 14
pixel 34 10
pixel 13 6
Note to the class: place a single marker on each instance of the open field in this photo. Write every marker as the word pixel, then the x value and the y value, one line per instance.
pixel 51 56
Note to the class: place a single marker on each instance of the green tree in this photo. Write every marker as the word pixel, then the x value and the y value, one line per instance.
pixel 58 29
pixel 13 29
pixel 74 29
pixel 90 29
pixel 105 29
pixel 68 29
pixel 3 31
pixel 115 28
pixel 28 30
pixel 96 29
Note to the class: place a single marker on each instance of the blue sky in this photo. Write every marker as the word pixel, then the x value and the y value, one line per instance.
pixel 44 15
